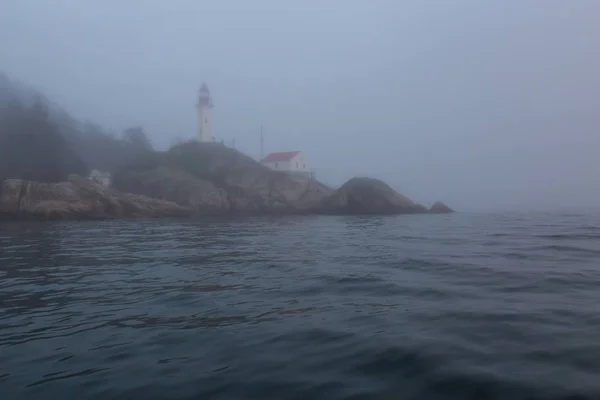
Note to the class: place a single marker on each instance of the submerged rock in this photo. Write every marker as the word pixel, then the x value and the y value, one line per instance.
pixel 78 198
pixel 440 208
pixel 368 196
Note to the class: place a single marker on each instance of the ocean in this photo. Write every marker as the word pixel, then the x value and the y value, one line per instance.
pixel 459 306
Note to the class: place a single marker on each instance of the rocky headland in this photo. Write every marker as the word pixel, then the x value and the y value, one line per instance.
pixel 47 157
pixel 194 179
pixel 368 196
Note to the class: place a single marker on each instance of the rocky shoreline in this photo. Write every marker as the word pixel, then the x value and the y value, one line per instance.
pixel 78 199
pixel 82 199
pixel 196 179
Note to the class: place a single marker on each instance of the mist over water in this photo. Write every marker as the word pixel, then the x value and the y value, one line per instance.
pixel 463 306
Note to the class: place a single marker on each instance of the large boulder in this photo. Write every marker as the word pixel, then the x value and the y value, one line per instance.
pixel 212 178
pixel 440 208
pixel 368 196
pixel 78 198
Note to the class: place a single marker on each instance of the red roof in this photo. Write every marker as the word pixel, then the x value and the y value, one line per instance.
pixel 281 156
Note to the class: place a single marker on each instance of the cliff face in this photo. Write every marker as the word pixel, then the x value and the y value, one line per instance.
pixel 368 196
pixel 211 178
pixel 77 198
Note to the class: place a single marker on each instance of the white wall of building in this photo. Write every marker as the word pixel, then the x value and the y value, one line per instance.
pixel 205 127
pixel 205 122
pixel 298 163
pixel 103 178
pixel 278 165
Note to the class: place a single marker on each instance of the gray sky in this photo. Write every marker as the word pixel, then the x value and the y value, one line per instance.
pixel 482 104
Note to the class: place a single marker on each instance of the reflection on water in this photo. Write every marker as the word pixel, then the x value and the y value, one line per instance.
pixel 458 306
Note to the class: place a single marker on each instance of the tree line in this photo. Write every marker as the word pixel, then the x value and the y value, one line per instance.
pixel 42 143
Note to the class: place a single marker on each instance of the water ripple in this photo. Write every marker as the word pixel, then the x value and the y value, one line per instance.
pixel 464 306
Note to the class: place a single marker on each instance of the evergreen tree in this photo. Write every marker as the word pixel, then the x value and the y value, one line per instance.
pixel 32 148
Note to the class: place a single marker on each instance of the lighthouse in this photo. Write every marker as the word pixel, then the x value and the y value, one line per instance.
pixel 205 105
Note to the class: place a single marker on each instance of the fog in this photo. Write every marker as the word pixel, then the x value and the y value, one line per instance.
pixel 484 105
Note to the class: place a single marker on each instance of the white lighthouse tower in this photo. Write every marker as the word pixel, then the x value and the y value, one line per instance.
pixel 205 105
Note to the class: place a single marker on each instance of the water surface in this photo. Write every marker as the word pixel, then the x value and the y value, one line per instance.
pixel 461 306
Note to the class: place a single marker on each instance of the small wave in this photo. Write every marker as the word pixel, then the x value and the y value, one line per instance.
pixel 517 255
pixel 498 234
pixel 65 375
pixel 413 263
pixel 566 249
pixel 421 374
pixel 398 361
pixel 569 236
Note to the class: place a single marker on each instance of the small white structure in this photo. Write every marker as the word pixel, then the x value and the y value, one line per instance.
pixel 100 177
pixel 289 161
pixel 205 106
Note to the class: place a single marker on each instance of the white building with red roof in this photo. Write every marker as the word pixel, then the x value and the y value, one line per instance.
pixel 288 161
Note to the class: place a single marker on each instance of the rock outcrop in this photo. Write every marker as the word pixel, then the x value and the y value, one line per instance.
pixel 440 208
pixel 212 178
pixel 78 198
pixel 368 196
pixel 199 179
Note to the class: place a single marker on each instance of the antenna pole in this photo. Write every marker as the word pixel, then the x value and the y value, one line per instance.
pixel 262 143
